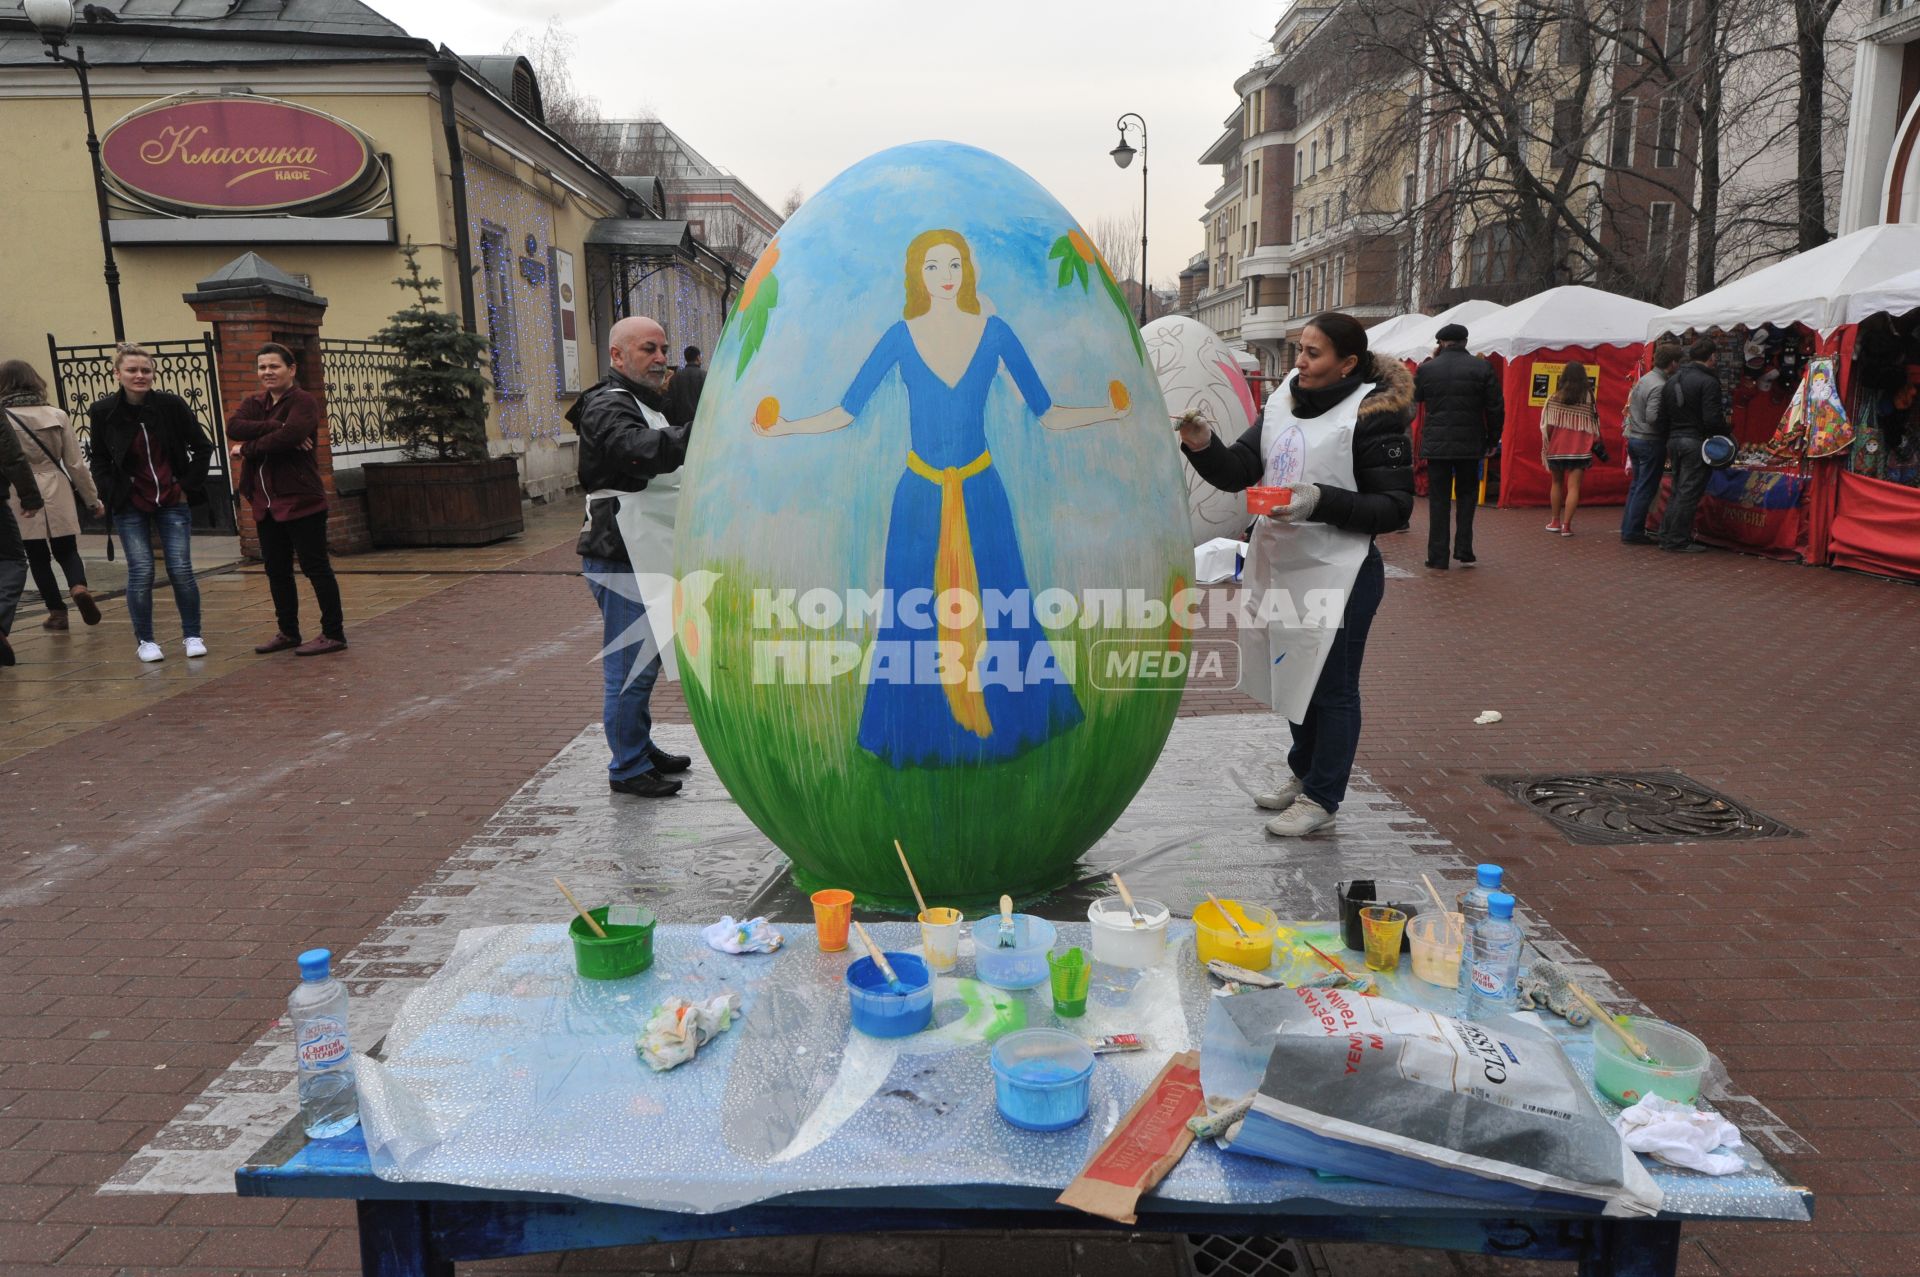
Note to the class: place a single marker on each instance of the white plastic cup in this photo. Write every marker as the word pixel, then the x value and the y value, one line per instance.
pixel 1117 942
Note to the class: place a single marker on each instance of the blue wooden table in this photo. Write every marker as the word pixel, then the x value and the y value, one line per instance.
pixel 422 1230
pixel 420 1225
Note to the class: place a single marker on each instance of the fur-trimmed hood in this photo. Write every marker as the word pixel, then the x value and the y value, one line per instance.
pixel 1393 393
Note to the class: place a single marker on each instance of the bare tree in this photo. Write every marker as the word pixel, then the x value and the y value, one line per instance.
pixel 791 205
pixel 1559 141
pixel 569 111
pixel 1118 239
pixel 1811 20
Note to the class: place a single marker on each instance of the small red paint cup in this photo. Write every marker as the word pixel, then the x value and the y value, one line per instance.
pixel 1267 500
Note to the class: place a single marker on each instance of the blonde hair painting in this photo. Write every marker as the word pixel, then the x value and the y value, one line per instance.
pixel 919 301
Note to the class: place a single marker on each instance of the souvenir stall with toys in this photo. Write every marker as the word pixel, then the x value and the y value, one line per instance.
pixel 1531 343
pixel 1867 498
pixel 1818 365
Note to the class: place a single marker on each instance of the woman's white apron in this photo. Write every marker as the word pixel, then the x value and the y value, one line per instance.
pixel 1298 575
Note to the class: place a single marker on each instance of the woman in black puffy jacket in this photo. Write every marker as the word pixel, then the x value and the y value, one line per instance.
pixel 1332 365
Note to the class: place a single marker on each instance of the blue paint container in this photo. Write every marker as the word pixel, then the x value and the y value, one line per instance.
pixel 1042 1079
pixel 1024 964
pixel 879 1013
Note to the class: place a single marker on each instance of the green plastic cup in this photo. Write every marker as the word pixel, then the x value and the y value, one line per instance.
pixel 627 950
pixel 1071 974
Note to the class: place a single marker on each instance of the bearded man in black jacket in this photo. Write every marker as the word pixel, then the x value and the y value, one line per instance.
pixel 626 440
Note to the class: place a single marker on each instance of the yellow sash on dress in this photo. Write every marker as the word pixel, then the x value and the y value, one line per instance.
pixel 953 569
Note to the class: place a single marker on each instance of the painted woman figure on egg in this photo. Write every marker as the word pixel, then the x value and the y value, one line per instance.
pixel 951 528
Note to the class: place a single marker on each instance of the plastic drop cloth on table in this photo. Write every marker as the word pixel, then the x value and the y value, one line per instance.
pixel 506 1071
pixel 1231 1066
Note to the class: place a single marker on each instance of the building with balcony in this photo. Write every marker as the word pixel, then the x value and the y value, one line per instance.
pixel 1293 228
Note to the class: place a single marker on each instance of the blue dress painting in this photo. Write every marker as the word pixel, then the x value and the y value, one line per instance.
pixel 998 690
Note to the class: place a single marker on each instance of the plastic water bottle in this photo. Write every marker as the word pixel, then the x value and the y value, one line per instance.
pixel 1473 901
pixel 1494 961
pixel 318 1009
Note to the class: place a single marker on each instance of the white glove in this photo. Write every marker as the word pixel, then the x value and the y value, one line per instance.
pixel 1299 507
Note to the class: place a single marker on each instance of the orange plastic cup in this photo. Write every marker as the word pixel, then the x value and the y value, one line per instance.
pixel 1267 500
pixel 832 913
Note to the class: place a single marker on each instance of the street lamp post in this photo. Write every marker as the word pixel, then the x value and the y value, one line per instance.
pixel 53 19
pixel 1123 156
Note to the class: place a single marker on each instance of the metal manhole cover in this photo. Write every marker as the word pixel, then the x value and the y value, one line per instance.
pixel 1639 807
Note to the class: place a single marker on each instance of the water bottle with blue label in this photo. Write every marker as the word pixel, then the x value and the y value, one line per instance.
pixel 318 1009
pixel 1493 971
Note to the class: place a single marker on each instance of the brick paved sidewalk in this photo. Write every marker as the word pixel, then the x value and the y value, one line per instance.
pixel 157 869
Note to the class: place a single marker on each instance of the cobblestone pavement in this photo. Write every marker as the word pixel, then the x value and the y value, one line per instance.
pixel 158 866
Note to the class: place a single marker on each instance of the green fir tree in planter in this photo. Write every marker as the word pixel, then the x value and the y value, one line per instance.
pixel 437 395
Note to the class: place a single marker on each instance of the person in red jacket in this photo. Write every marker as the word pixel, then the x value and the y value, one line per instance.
pixel 271 438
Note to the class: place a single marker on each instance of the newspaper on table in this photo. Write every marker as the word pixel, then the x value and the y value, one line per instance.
pixel 1384 1091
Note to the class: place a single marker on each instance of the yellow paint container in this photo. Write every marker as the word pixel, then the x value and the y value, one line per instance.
pixel 1214 937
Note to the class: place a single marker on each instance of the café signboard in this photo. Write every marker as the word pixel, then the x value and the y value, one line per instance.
pixel 236 155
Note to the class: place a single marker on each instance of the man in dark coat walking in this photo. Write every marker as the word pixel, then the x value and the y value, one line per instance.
pixel 1464 414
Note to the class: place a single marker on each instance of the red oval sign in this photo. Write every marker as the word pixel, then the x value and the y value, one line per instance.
pixel 235 155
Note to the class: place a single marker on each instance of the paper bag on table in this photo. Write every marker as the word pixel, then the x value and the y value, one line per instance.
pixel 1144 1147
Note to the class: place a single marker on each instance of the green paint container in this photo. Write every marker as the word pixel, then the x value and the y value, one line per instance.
pixel 627 950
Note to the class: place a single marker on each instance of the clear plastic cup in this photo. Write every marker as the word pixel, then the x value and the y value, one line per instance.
pixel 940 930
pixel 1382 929
pixel 1071 975
pixel 1436 941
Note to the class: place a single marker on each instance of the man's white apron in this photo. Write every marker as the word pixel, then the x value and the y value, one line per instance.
pixel 646 519
pixel 1312 564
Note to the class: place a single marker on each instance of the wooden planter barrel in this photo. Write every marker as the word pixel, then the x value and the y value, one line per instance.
pixel 443 502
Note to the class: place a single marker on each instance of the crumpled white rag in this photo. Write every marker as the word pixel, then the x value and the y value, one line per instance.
pixel 755 935
pixel 679 1028
pixel 1680 1135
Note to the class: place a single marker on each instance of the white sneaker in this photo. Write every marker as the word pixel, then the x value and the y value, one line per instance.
pixel 1281 798
pixel 196 647
pixel 150 652
pixel 1302 818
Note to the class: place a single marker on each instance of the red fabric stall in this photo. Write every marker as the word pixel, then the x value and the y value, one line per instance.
pixel 1523 480
pixel 1874 526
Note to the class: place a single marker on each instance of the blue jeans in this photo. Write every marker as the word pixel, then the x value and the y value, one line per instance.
pixel 1325 744
pixel 624 704
pixel 1649 460
pixel 175 523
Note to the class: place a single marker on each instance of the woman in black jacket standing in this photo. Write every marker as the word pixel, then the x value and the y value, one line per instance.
pixel 149 459
pixel 1336 438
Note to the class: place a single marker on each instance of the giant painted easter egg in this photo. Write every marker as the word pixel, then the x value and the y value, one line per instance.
pixel 930 485
pixel 1198 373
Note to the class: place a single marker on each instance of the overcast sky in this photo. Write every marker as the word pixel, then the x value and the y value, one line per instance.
pixel 787 93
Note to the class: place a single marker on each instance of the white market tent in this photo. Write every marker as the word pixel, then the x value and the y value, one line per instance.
pixel 1571 315
pixel 1896 296
pixel 1386 328
pixel 1814 288
pixel 1415 340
